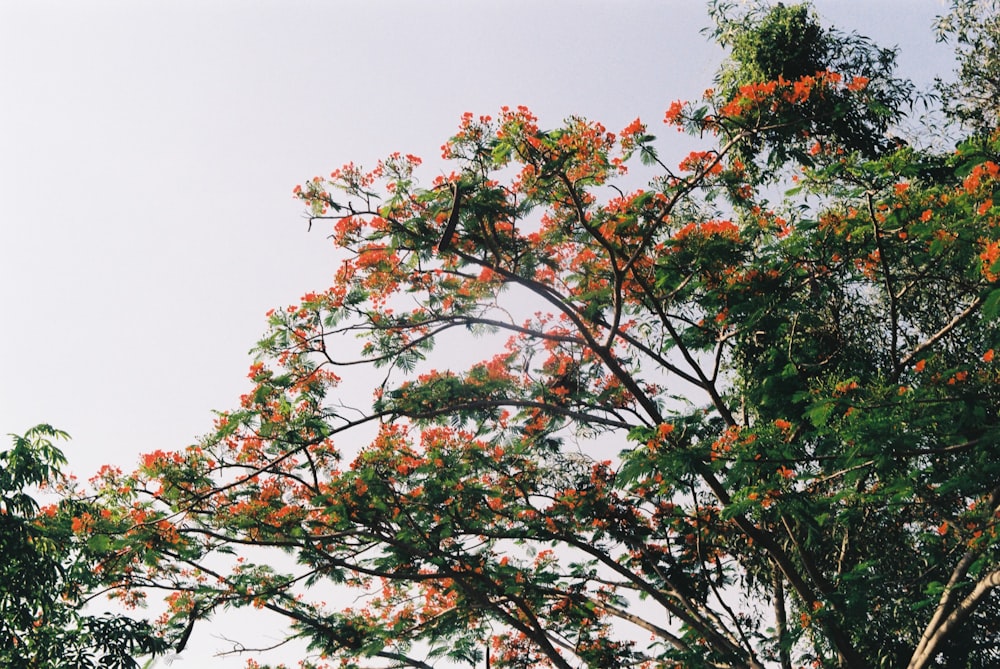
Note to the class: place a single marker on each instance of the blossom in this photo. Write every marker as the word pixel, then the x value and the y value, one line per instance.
pixel 635 127
pixel 725 229
pixel 82 523
pixel 990 257
pixel 673 115
pixel 857 83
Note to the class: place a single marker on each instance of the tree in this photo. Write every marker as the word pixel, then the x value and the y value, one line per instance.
pixel 47 573
pixel 712 431
pixel 972 99
pixel 787 43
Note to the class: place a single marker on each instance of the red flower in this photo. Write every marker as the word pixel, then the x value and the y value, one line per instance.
pixel 635 127
pixel 857 84
pixel 673 115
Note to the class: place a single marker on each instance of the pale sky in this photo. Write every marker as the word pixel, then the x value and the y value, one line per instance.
pixel 148 151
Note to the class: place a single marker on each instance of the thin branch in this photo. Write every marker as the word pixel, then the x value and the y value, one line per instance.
pixel 889 290
pixel 937 336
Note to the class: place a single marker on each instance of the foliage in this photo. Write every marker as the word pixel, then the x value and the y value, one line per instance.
pixel 708 431
pixel 787 44
pixel 47 573
pixel 974 98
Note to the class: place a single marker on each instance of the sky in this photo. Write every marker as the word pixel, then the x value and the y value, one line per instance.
pixel 148 151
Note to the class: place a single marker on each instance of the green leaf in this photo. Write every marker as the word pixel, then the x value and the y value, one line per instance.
pixel 991 306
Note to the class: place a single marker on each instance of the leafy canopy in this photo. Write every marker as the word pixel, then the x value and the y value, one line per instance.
pixel 699 429
pixel 787 44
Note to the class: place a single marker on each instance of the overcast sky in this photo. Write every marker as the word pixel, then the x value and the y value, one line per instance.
pixel 148 151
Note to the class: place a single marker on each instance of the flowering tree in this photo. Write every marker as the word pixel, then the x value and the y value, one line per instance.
pixel 707 431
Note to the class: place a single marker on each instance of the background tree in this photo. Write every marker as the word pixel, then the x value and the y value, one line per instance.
pixel 973 26
pixel 47 573
pixel 787 43
pixel 711 431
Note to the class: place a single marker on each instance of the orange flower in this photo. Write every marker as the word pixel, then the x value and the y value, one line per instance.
pixel 958 377
pixel 637 126
pixel 857 84
pixel 990 257
pixel 673 115
pixel 801 90
pixel 920 365
pixel 782 424
pixel 988 356
pixel 845 387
